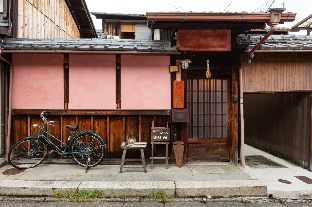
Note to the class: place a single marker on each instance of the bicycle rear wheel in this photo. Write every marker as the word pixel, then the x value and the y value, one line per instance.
pixel 27 153
pixel 88 149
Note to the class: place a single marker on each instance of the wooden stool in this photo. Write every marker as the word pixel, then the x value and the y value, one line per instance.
pixel 138 145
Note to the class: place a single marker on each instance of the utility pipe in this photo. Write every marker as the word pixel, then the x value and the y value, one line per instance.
pixel 241 94
pixel 10 114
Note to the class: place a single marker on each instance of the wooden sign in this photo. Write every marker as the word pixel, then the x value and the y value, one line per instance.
pixel 161 134
pixel 178 94
pixel 180 115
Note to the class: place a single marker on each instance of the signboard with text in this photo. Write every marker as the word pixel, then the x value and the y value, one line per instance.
pixel 161 134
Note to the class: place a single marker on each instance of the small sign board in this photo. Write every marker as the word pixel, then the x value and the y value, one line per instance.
pixel 161 134
pixel 179 115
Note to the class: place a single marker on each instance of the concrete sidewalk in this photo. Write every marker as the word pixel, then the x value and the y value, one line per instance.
pixel 192 180
pixel 281 182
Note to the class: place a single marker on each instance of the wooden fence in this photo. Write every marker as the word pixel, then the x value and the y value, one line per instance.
pixel 114 126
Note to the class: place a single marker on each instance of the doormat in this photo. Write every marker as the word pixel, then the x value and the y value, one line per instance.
pixel 206 169
pixel 12 171
pixel 305 179
pixel 259 161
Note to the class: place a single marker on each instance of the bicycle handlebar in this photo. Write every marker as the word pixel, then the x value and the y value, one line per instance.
pixel 45 120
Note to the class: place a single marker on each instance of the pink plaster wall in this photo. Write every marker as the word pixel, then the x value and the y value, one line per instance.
pixel 145 82
pixel 92 81
pixel 38 81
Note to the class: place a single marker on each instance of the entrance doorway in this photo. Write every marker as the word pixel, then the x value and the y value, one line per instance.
pixel 208 128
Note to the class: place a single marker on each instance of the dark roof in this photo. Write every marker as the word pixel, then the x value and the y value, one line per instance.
pixel 303 24
pixel 96 44
pixel 82 17
pixel 278 42
pixel 103 15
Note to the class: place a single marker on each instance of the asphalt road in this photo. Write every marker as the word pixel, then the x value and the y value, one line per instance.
pixel 197 202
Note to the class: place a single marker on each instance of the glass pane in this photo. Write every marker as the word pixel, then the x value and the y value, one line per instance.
pixel 218 132
pixel 194 96
pixel 194 120
pixel 212 96
pixel 200 132
pixel 194 85
pixel 194 132
pixel 201 120
pixel 218 96
pixel 201 83
pixel 218 85
pixel 194 108
pixel 201 96
pixel 225 120
pixel 201 108
pixel 224 85
pixel 212 85
pixel 188 132
pixel 218 120
pixel 224 108
pixel 224 96
pixel 218 108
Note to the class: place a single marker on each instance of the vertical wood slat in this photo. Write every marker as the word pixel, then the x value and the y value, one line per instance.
pixel 41 19
pixel 140 128
pixel 108 137
pixel 124 128
pixel 278 72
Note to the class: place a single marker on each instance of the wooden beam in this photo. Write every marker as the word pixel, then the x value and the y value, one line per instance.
pixel 207 141
pixel 69 112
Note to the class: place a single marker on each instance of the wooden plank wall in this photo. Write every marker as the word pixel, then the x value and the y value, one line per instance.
pixel 39 19
pixel 278 72
pixel 114 129
pixel 279 122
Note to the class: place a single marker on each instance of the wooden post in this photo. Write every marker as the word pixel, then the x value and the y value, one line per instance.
pixel 234 109
pixel 108 137
pixel 310 147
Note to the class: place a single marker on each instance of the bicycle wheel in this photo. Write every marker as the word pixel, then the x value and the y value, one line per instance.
pixel 27 153
pixel 88 149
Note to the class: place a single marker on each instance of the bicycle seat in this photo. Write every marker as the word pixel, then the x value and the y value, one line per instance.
pixel 72 127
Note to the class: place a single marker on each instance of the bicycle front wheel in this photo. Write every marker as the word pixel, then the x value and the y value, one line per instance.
pixel 27 153
pixel 88 149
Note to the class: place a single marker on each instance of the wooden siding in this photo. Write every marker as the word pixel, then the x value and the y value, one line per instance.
pixel 39 19
pixel 114 126
pixel 279 122
pixel 278 72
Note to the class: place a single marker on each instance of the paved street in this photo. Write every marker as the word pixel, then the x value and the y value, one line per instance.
pixel 191 202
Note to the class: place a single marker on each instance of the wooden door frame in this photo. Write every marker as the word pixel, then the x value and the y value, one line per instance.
pixel 226 141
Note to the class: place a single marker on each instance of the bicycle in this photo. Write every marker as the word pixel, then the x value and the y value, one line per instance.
pixel 86 147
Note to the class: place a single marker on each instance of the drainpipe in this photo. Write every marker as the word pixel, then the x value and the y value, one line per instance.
pixel 275 18
pixel 241 94
pixel 10 114
pixel 8 140
pixel 251 53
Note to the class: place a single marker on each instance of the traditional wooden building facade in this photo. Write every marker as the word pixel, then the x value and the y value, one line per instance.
pixel 38 19
pixel 121 86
